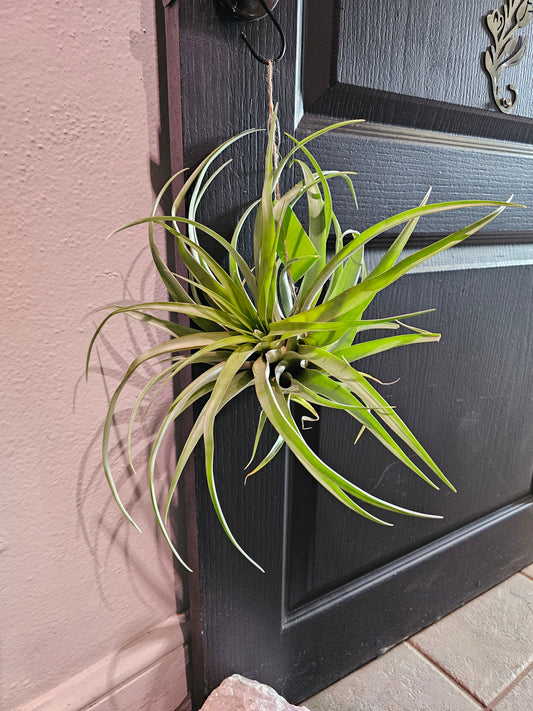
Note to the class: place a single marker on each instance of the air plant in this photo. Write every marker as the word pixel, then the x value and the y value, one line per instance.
pixel 288 326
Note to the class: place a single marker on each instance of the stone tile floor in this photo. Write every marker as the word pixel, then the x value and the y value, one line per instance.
pixel 478 657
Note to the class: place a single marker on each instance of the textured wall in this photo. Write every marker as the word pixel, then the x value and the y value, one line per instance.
pixel 79 117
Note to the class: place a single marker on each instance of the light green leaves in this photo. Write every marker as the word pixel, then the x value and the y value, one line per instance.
pixel 287 326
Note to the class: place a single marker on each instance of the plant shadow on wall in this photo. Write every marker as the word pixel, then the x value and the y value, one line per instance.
pixel 289 326
pixel 104 538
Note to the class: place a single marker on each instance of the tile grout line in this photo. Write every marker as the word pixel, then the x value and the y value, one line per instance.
pixel 511 686
pixel 445 673
pixel 526 575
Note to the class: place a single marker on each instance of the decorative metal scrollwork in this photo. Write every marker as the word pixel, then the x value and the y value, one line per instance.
pixel 508 48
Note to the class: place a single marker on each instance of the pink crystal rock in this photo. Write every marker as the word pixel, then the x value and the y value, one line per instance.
pixel 236 693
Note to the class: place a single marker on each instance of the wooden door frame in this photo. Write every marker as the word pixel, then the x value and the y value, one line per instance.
pixel 249 630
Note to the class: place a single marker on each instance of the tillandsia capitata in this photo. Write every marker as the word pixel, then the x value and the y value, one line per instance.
pixel 287 327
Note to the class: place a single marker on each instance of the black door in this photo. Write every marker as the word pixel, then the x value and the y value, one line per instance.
pixel 339 590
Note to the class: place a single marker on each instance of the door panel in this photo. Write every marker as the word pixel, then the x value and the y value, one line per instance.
pixel 480 421
pixel 431 51
pixel 338 589
pixel 396 166
pixel 407 63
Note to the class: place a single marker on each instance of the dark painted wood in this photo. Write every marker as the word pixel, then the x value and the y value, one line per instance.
pixel 247 10
pixel 339 591
pixel 489 470
pixel 387 160
pixel 186 491
pixel 432 51
pixel 223 91
pixel 365 80
pixel 347 101
pixel 363 619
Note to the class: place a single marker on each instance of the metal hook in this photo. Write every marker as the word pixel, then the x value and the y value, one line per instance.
pixel 277 26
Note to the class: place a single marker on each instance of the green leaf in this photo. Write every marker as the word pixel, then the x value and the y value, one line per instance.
pixel 320 218
pixel 235 286
pixel 324 391
pixel 265 242
pixel 326 174
pixel 175 329
pixel 279 415
pixel 136 313
pixel 197 388
pixel 241 382
pixel 258 433
pixel 393 253
pixel 201 170
pixel 188 396
pixel 301 254
pixel 345 303
pixel 195 198
pixel 348 275
pixel 216 316
pixel 356 382
pixel 293 195
pixel 319 215
pixel 315 417
pixel 233 264
pixel 227 374
pixel 276 447
pixel 311 137
pixel 301 322
pixel 399 219
pixel 307 327
pixel 174 288
pixel 282 421
pixel 160 378
pixel 161 349
pixel 235 289
pixel 369 348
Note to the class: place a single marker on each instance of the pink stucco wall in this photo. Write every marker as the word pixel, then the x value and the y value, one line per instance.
pixel 79 107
